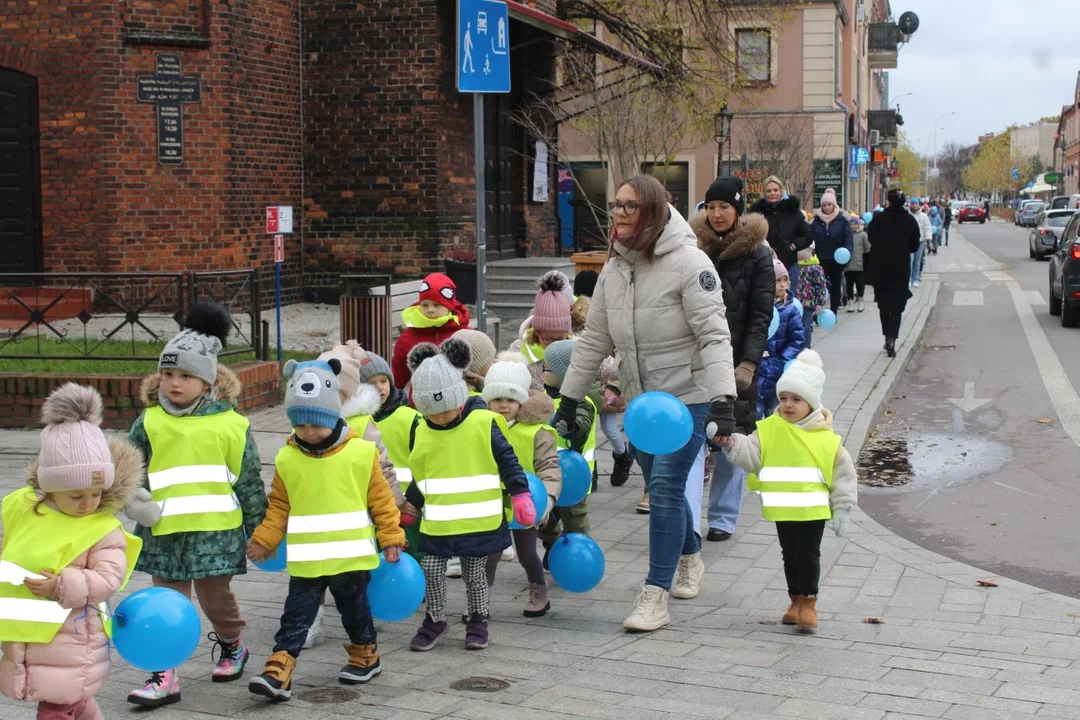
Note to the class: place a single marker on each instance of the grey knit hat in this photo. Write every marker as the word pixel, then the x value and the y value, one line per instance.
pixel 557 357
pixel 482 350
pixel 372 365
pixel 438 381
pixel 313 395
pixel 195 349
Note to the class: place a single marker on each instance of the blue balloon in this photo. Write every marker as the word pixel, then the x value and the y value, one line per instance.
pixel 657 423
pixel 576 478
pixel 774 325
pixel 276 562
pixel 787 365
pixel 156 629
pixel 867 217
pixel 576 563
pixel 826 319
pixel 842 256
pixel 539 498
pixel 396 589
pixel 797 303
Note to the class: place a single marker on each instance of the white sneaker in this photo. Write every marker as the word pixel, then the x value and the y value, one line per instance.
pixel 453 567
pixel 860 305
pixel 509 554
pixel 851 306
pixel 650 610
pixel 915 284
pixel 315 634
pixel 688 577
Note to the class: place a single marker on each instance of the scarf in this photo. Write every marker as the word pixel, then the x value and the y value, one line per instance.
pixel 830 217
pixel 175 410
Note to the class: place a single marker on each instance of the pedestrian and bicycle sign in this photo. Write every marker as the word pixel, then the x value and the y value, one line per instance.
pixel 483 48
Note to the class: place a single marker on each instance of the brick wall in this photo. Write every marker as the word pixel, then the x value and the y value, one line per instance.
pixel 21 394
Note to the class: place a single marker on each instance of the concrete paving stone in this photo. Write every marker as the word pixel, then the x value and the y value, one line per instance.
pixel 1002 666
pixel 735 699
pixel 981 702
pixel 1041 694
pixel 927 680
pixel 903 716
pixel 1027 624
pixel 856 559
pixel 942 668
pixel 966 596
pixel 681 708
pixel 857 572
pixel 841 663
pixel 877 687
pixel 910 706
pixel 1034 659
pixel 959 608
pixel 1065 650
pixel 1058 711
pixel 817 710
pixel 981 641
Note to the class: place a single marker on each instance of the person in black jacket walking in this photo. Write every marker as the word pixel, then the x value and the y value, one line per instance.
pixel 788 230
pixel 744 263
pixel 893 234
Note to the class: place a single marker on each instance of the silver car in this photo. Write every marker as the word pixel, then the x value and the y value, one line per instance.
pixel 1044 236
pixel 1029 212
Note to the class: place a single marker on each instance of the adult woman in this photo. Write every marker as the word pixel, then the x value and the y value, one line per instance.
pixel 832 231
pixel 894 234
pixel 658 301
pixel 744 263
pixel 788 230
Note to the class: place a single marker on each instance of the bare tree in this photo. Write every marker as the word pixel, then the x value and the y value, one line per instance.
pixel 780 145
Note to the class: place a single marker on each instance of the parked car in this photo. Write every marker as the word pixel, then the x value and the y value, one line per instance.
pixel 1058 202
pixel 1044 236
pixel 1065 275
pixel 971 212
pixel 1020 208
pixel 955 206
pixel 1074 202
pixel 1029 212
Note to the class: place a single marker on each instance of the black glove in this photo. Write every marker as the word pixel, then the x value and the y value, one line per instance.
pixel 720 421
pixel 565 420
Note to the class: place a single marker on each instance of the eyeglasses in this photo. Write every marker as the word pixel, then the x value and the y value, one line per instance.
pixel 628 207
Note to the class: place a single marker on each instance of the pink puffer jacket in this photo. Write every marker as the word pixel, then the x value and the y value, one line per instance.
pixel 74 665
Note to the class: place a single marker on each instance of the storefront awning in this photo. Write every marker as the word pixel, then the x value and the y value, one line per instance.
pixel 572 33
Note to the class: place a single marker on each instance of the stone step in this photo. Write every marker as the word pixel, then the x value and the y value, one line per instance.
pixel 511 282
pixel 529 267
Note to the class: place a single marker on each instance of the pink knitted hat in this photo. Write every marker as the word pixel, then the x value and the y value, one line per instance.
pixel 829 196
pixel 74 453
pixel 551 308
pixel 779 269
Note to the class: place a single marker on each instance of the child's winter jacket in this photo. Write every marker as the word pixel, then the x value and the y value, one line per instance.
pixel 193 555
pixel 419 329
pixel 537 410
pixel 858 255
pixel 813 292
pixel 74 666
pixel 788 341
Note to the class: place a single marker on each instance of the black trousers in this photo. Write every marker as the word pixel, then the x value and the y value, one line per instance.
pixel 890 323
pixel 800 544
pixel 303 601
pixel 834 276
pixel 855 281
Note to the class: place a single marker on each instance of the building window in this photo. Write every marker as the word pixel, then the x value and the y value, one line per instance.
pixel 586 213
pixel 753 54
pixel 676 180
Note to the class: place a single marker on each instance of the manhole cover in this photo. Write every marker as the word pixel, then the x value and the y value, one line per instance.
pixel 480 684
pixel 329 695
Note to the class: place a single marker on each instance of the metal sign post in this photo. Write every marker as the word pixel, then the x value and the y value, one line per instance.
pixel 279 222
pixel 483 66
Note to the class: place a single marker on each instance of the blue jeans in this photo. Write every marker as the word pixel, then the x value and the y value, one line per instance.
pixel 916 262
pixel 302 604
pixel 808 323
pixel 671 521
pixel 725 494
pixel 793 273
pixel 946 235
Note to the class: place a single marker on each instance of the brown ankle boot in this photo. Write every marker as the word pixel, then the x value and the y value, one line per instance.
pixel 808 614
pixel 791 617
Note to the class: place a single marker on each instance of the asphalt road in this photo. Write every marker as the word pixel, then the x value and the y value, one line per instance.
pixel 993 481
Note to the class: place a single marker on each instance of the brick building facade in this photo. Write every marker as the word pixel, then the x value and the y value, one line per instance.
pixel 349 113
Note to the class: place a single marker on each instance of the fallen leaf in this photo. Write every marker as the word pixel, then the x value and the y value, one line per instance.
pixel 1044 421
pixel 963 454
pixel 766 622
pixel 1074 615
pixel 993 523
pixel 986 583
pixel 874 620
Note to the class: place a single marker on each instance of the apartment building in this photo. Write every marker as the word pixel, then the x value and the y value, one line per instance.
pixel 1034 140
pixel 1067 144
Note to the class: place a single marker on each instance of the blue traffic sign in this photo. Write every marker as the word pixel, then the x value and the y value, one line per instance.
pixel 1016 173
pixel 853 172
pixel 483 48
pixel 853 155
pixel 864 156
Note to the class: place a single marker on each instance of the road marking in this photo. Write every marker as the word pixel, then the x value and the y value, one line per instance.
pixel 997 275
pixel 969 402
pixel 1019 490
pixel 967 297
pixel 1062 393
pixel 1034 297
pixel 927 277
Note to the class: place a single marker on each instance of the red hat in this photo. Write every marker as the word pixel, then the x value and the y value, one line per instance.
pixel 439 288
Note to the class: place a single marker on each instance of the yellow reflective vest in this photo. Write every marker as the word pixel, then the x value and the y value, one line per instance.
pixel 589 449
pixel 330 530
pixel 395 429
pixel 796 470
pixel 522 438
pixel 50 540
pixel 194 464
pixel 457 474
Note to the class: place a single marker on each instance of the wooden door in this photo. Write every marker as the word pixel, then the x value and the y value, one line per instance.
pixel 20 181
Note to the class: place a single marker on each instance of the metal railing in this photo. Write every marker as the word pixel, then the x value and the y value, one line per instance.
pixel 884 37
pixel 239 292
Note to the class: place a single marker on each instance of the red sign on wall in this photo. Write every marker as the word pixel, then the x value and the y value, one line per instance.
pixel 271 220
pixel 279 248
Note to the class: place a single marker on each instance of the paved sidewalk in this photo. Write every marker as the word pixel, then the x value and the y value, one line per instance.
pixel 948 648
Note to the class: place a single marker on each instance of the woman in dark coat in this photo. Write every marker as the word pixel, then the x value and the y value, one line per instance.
pixel 788 230
pixel 894 235
pixel 743 260
pixel 832 231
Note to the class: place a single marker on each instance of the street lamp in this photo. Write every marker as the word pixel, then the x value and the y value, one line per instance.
pixel 722 133
pixel 935 135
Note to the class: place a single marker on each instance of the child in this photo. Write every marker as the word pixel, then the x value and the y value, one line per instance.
pixel 854 272
pixel 550 322
pixel 584 284
pixel 359 402
pixel 527 413
pixel 796 452
pixel 483 352
pixel 783 346
pixel 396 421
pixel 462 465
pixel 65 554
pixel 433 318
pixel 813 292
pixel 330 501
pixel 206 491
pixel 574 519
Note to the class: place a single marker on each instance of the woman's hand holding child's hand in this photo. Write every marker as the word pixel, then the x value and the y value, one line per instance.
pixel 46 587
pixel 257 553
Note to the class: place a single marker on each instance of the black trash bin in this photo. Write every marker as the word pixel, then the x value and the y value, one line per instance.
pixel 464 276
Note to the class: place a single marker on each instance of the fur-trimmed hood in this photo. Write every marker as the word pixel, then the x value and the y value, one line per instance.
pixel 366 401
pixel 227 387
pixel 788 204
pixel 537 410
pixel 129 474
pixel 744 240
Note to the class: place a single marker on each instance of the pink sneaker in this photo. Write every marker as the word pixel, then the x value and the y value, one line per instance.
pixel 163 688
pixel 234 656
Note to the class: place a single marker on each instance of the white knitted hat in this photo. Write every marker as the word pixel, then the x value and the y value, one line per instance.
pixel 805 378
pixel 508 377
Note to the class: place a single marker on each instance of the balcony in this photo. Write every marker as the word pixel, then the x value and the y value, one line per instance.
pixel 883 46
pixel 884 121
